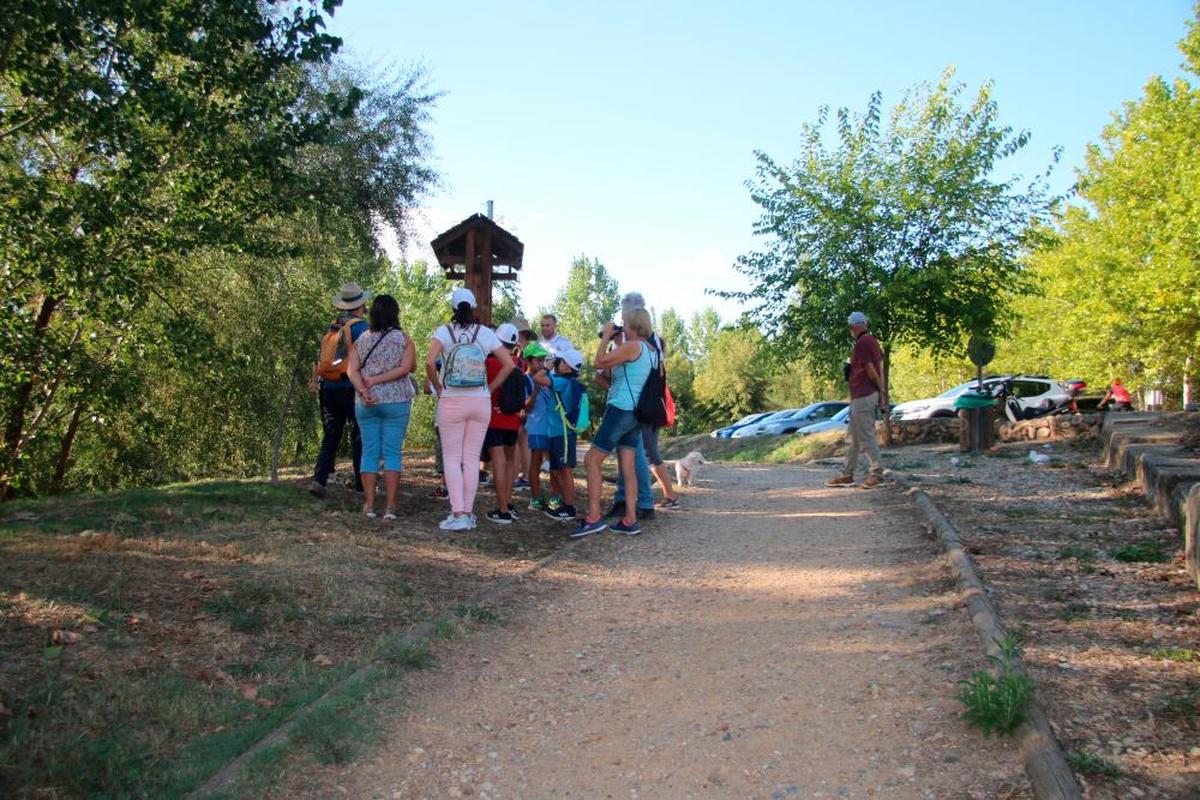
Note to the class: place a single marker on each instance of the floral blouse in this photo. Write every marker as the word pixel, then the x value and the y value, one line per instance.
pixel 386 356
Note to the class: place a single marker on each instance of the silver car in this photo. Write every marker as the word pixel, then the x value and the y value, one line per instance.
pixel 792 419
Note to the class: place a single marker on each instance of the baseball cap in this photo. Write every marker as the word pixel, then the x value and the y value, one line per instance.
pixel 535 350
pixel 573 357
pixel 462 295
pixel 507 333
pixel 857 318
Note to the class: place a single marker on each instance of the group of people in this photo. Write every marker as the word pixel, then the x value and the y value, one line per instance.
pixel 486 413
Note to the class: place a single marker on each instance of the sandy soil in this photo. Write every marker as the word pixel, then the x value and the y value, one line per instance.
pixel 773 639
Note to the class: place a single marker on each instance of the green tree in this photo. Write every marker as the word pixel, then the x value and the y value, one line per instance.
pixel 905 221
pixel 732 382
pixel 671 328
pixel 1120 281
pixel 703 328
pixel 589 298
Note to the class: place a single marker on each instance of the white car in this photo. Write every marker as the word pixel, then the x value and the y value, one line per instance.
pixel 1030 391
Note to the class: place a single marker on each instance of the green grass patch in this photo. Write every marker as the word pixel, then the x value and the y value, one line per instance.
pixel 1180 655
pixel 1076 552
pixel 1091 764
pixel 1145 552
pixel 784 449
pixel 996 704
pixel 1075 611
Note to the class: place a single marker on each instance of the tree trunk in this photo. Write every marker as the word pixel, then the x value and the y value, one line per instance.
pixel 64 453
pixel 14 428
pixel 1188 396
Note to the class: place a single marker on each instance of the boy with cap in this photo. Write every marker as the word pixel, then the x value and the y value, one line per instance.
pixel 566 391
pixel 500 442
pixel 537 421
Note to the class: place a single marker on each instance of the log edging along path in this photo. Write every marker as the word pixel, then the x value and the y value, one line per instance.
pixel 414 636
pixel 1047 768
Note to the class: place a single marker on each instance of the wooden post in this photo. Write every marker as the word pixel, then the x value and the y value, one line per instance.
pixel 483 267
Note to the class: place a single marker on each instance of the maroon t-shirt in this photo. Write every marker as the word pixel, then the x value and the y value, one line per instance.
pixel 866 351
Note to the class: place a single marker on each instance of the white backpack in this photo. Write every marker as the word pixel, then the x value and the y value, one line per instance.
pixel 464 368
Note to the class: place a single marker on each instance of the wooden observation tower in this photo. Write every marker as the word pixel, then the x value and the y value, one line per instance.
pixel 478 252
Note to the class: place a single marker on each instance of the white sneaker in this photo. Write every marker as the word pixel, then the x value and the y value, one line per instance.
pixel 448 523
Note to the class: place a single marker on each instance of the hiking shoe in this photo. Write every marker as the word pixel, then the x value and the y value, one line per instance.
pixel 840 480
pixel 645 513
pixel 871 482
pixel 669 503
pixel 520 483
pixel 500 517
pixel 317 489
pixel 586 527
pixel 628 530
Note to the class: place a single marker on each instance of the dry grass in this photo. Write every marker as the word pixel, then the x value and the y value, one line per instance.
pixel 1070 555
pixel 147 637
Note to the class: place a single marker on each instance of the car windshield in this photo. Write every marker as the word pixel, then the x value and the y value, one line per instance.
pixel 808 410
pixel 778 415
pixel 841 415
pixel 746 420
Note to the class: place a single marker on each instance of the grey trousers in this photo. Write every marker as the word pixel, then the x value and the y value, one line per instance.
pixel 861 435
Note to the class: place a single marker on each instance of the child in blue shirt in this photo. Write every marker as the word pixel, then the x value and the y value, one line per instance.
pixel 564 383
pixel 539 409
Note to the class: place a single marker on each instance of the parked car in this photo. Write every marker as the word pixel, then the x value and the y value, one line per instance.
pixel 1030 391
pixel 727 431
pixel 838 422
pixel 792 419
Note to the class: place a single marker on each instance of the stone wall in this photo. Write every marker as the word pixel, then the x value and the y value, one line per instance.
pixel 946 429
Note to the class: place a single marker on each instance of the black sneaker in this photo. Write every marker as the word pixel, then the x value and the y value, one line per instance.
pixel 512 511
pixel 500 517
pixel 565 513
pixel 645 513
pixel 628 530
pixel 553 513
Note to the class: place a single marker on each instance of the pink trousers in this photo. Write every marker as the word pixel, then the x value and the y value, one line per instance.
pixel 462 424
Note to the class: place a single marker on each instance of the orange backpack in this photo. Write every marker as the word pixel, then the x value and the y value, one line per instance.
pixel 335 344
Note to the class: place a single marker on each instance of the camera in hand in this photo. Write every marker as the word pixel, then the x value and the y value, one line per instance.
pixel 617 329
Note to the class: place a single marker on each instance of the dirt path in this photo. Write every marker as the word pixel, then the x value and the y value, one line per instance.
pixel 776 639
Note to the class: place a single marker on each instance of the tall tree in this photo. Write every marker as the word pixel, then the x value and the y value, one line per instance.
pixel 1120 282
pixel 906 221
pixel 702 333
pixel 733 381
pixel 589 298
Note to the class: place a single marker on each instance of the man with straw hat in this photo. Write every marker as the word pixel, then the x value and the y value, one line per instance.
pixel 332 386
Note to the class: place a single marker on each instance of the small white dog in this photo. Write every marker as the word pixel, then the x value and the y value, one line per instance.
pixel 688 468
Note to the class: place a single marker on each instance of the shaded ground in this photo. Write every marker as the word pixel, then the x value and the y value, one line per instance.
pixel 1077 562
pixel 774 639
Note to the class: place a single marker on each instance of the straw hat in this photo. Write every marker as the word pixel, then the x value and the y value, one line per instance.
pixel 351 297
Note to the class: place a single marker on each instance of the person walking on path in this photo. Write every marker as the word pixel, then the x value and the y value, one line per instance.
pixel 330 382
pixel 381 365
pixel 867 392
pixel 630 365
pixel 464 400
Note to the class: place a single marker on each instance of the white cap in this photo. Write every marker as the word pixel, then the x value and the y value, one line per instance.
pixel 462 295
pixel 573 357
pixel 507 333
pixel 857 318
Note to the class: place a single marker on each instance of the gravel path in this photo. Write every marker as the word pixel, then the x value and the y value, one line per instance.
pixel 775 639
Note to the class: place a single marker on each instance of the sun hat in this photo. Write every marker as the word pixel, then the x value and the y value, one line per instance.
pixel 521 324
pixel 463 295
pixel 857 318
pixel 351 297
pixel 507 333
pixel 535 350
pixel 573 357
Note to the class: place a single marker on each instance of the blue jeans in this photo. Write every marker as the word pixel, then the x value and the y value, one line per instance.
pixel 383 427
pixel 645 491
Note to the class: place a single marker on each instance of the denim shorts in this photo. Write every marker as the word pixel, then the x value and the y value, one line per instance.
pixel 618 429
pixel 562 451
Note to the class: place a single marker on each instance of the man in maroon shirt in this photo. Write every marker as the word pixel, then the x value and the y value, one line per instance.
pixel 866 393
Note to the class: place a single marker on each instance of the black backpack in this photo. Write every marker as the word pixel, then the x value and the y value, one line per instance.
pixel 651 408
pixel 511 396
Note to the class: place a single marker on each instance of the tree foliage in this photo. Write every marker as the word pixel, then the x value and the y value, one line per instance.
pixel 904 220
pixel 1119 281
pixel 185 185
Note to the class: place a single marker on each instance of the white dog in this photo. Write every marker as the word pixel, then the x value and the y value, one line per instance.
pixel 688 468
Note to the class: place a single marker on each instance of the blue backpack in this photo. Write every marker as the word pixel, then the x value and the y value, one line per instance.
pixel 572 404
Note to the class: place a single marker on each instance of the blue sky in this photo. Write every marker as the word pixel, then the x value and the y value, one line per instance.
pixel 626 131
